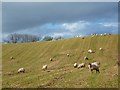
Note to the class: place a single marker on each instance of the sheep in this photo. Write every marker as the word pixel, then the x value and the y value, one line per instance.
pixel 21 70
pixel 92 67
pixel 82 37
pixel 90 51
pixel 68 55
pixel 44 67
pixel 100 48
pixel 11 58
pixel 51 59
pixel 81 65
pixel 85 58
pixel 75 65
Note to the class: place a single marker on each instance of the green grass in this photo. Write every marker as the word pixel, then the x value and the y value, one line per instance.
pixel 32 56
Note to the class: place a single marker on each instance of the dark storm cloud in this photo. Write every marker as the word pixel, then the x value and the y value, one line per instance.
pixel 22 15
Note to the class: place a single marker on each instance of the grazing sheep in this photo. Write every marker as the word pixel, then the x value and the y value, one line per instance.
pixel 51 59
pixel 82 37
pixel 68 55
pixel 44 67
pixel 85 58
pixel 75 65
pixel 100 48
pixel 21 70
pixel 11 58
pixel 81 65
pixel 92 67
pixel 90 51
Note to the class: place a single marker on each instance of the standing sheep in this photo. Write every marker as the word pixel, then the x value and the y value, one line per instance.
pixel 85 58
pixel 51 59
pixel 81 65
pixel 100 48
pixel 94 66
pixel 90 51
pixel 82 37
pixel 75 65
pixel 11 58
pixel 21 70
pixel 44 67
pixel 68 55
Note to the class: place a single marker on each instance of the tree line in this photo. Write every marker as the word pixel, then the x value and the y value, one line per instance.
pixel 16 38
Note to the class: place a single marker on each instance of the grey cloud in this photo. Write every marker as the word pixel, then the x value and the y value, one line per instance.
pixel 18 16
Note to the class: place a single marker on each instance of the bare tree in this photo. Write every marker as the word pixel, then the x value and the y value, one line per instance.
pixel 14 38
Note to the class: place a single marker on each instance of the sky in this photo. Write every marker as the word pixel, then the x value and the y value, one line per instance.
pixel 67 19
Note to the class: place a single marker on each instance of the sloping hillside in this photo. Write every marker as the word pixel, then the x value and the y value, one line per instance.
pixel 61 73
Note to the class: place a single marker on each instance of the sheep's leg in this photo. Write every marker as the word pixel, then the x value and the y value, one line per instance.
pixel 92 70
pixel 97 70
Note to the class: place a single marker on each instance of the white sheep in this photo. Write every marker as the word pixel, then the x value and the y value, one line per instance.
pixel 44 67
pixel 51 59
pixel 75 65
pixel 94 66
pixel 82 37
pixel 90 51
pixel 21 70
pixel 11 57
pixel 81 65
pixel 68 55
pixel 100 48
pixel 85 58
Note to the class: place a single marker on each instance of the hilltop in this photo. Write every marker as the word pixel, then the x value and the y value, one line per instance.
pixel 61 73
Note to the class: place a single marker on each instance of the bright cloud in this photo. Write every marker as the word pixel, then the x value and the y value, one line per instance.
pixel 75 26
pixel 110 24
pixel 63 34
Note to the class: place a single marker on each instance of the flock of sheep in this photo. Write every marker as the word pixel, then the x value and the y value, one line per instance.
pixel 91 66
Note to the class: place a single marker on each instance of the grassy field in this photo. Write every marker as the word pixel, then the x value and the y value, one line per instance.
pixel 61 73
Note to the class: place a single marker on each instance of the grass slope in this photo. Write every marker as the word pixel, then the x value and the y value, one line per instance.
pixel 60 73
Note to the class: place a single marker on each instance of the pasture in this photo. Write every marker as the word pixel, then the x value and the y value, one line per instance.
pixel 60 72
